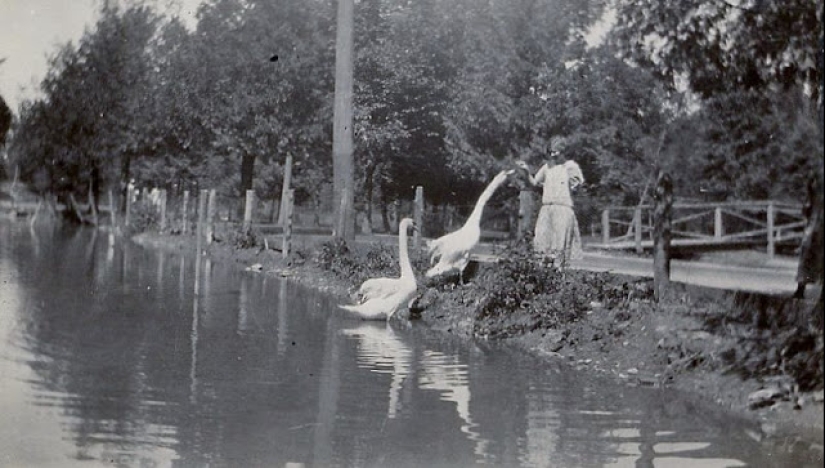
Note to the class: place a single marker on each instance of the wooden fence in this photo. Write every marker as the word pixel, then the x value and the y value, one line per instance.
pixel 706 225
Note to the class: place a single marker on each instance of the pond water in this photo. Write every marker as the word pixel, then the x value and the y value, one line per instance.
pixel 115 355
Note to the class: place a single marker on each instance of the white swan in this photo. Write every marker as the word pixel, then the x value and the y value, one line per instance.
pixel 382 297
pixel 452 251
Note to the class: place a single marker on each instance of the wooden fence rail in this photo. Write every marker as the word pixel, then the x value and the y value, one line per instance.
pixel 706 225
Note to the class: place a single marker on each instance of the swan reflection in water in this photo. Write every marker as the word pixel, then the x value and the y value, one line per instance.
pixel 381 350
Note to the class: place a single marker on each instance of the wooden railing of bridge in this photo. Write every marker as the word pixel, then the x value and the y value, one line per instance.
pixel 706 225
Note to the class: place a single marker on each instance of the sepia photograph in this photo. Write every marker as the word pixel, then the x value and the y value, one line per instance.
pixel 412 233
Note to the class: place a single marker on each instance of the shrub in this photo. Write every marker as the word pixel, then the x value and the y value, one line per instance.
pixel 143 217
pixel 336 256
pixel 241 238
pixel 524 292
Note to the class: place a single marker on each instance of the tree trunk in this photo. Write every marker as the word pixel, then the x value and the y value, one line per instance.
pixel 247 177
pixel 385 212
pixel 247 171
pixel 94 193
pixel 125 166
pixel 663 204
pixel 368 187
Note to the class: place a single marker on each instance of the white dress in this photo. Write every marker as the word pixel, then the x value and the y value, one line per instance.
pixel 557 230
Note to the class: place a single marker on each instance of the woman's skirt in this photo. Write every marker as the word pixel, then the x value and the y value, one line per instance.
pixel 557 233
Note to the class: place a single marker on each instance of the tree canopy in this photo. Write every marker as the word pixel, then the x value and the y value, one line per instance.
pixel 446 94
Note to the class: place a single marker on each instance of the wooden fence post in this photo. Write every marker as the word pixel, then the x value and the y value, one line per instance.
pixel 286 186
pixel 418 216
pixel 162 210
pixel 129 194
pixel 718 227
pixel 771 240
pixel 525 211
pixel 287 240
pixel 662 224
pixel 605 226
pixel 201 227
pixel 185 212
pixel 247 211
pixel 210 217
pixel 112 210
pixel 637 229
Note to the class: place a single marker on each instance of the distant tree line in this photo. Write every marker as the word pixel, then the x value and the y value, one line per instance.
pixel 725 95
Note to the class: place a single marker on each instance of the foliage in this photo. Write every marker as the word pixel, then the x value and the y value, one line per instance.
pixel 92 113
pixel 222 105
pixel 5 121
pixel 753 65
pixel 336 256
pixel 242 238
pixel 723 45
pixel 143 217
pixel 526 294
pixel 359 264
pixel 757 146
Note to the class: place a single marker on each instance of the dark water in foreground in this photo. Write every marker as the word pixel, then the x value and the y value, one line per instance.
pixel 109 357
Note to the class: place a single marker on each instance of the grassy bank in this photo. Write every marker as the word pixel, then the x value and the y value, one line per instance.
pixel 757 356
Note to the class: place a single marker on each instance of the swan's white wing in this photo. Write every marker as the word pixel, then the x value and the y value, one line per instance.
pixel 384 307
pixel 370 310
pixel 376 288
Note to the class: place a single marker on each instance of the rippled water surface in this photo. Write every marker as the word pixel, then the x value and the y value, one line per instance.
pixel 115 355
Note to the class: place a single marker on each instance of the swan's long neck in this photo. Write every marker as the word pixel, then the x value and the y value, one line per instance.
pixel 475 216
pixel 403 255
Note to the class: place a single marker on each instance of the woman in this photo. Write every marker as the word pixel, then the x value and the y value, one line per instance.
pixel 557 231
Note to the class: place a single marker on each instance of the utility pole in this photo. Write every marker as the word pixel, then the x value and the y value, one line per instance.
pixel 342 147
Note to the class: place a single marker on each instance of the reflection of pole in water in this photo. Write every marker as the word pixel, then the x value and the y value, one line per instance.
pixel 207 283
pixel 159 279
pixel 330 383
pixel 124 263
pixel 181 278
pixel 88 257
pixel 193 335
pixel 35 238
pixel 110 252
pixel 543 425
pixel 243 303
pixel 197 275
pixel 282 323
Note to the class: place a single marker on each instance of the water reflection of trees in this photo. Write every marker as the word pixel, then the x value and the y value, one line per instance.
pixel 254 372
pixel 92 350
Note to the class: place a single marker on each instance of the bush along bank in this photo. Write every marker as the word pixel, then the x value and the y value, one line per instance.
pixel 757 355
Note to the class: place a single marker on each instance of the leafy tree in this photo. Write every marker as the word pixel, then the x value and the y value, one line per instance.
pixel 758 146
pixel 259 77
pixel 85 129
pixel 5 121
pixel 757 67
pixel 721 45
